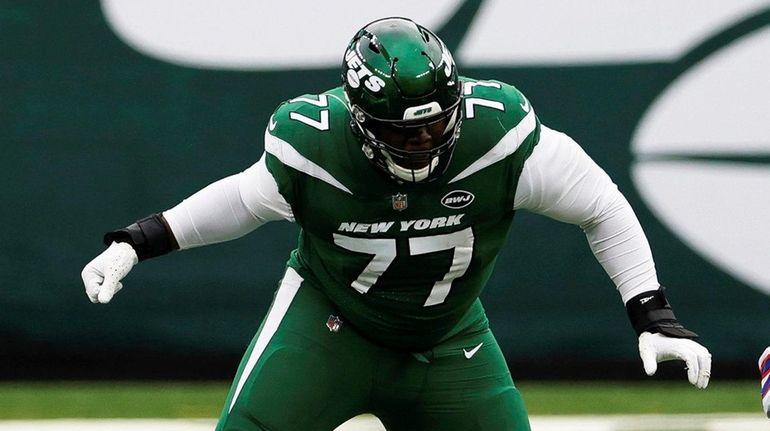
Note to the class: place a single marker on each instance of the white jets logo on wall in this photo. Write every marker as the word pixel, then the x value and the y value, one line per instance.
pixel 250 35
pixel 703 158
pixel 689 146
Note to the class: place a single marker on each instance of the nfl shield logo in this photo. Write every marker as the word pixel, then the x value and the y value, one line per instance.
pixel 333 323
pixel 399 202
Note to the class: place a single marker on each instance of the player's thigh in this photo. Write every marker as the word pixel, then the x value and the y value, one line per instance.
pixel 297 372
pixel 467 386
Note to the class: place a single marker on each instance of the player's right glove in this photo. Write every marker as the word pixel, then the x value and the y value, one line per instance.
pixel 148 237
pixel 764 370
pixel 102 275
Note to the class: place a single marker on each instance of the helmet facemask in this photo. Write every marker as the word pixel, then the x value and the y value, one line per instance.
pixel 412 150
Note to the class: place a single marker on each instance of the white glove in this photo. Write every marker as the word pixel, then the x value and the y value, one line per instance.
pixel 654 348
pixel 102 275
pixel 764 371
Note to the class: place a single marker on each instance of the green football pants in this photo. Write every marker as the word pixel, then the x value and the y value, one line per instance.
pixel 305 370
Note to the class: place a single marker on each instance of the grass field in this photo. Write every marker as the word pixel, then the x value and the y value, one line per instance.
pixel 48 400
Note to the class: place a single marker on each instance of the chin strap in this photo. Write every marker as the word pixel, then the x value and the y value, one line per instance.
pixel 651 312
pixel 411 175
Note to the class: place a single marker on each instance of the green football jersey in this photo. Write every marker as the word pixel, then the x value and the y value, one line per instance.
pixel 402 261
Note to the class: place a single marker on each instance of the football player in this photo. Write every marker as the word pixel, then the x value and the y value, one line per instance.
pixel 404 181
pixel 764 382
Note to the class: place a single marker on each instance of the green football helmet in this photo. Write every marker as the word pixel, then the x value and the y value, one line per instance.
pixel 403 95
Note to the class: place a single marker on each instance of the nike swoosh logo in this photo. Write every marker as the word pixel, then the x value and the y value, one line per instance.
pixel 525 106
pixel 469 353
pixel 271 124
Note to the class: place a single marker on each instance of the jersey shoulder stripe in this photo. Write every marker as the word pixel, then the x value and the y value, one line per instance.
pixel 289 156
pixel 307 139
pixel 498 124
pixel 504 148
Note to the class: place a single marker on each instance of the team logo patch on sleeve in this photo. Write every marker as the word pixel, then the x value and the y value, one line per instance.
pixel 333 323
pixel 457 199
pixel 399 202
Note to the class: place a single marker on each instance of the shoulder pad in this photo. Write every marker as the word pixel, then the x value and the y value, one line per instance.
pixel 309 133
pixel 495 99
pixel 308 117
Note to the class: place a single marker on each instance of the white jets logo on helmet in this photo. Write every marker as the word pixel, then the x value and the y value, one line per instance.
pixel 421 111
pixel 446 58
pixel 357 73
pixel 524 105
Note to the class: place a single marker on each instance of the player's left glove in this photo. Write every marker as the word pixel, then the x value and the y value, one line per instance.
pixel 764 370
pixel 654 348
pixel 663 338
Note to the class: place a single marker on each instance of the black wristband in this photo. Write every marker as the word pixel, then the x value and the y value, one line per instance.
pixel 651 312
pixel 149 237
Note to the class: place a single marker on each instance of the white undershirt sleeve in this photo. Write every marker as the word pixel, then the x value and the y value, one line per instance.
pixel 561 181
pixel 228 209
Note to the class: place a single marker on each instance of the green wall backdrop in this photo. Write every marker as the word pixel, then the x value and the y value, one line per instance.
pixel 95 135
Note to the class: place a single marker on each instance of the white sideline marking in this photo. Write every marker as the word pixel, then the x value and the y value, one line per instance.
pixel 110 425
pixel 711 422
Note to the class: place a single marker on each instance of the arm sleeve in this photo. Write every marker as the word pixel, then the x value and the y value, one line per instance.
pixel 228 208
pixel 561 181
